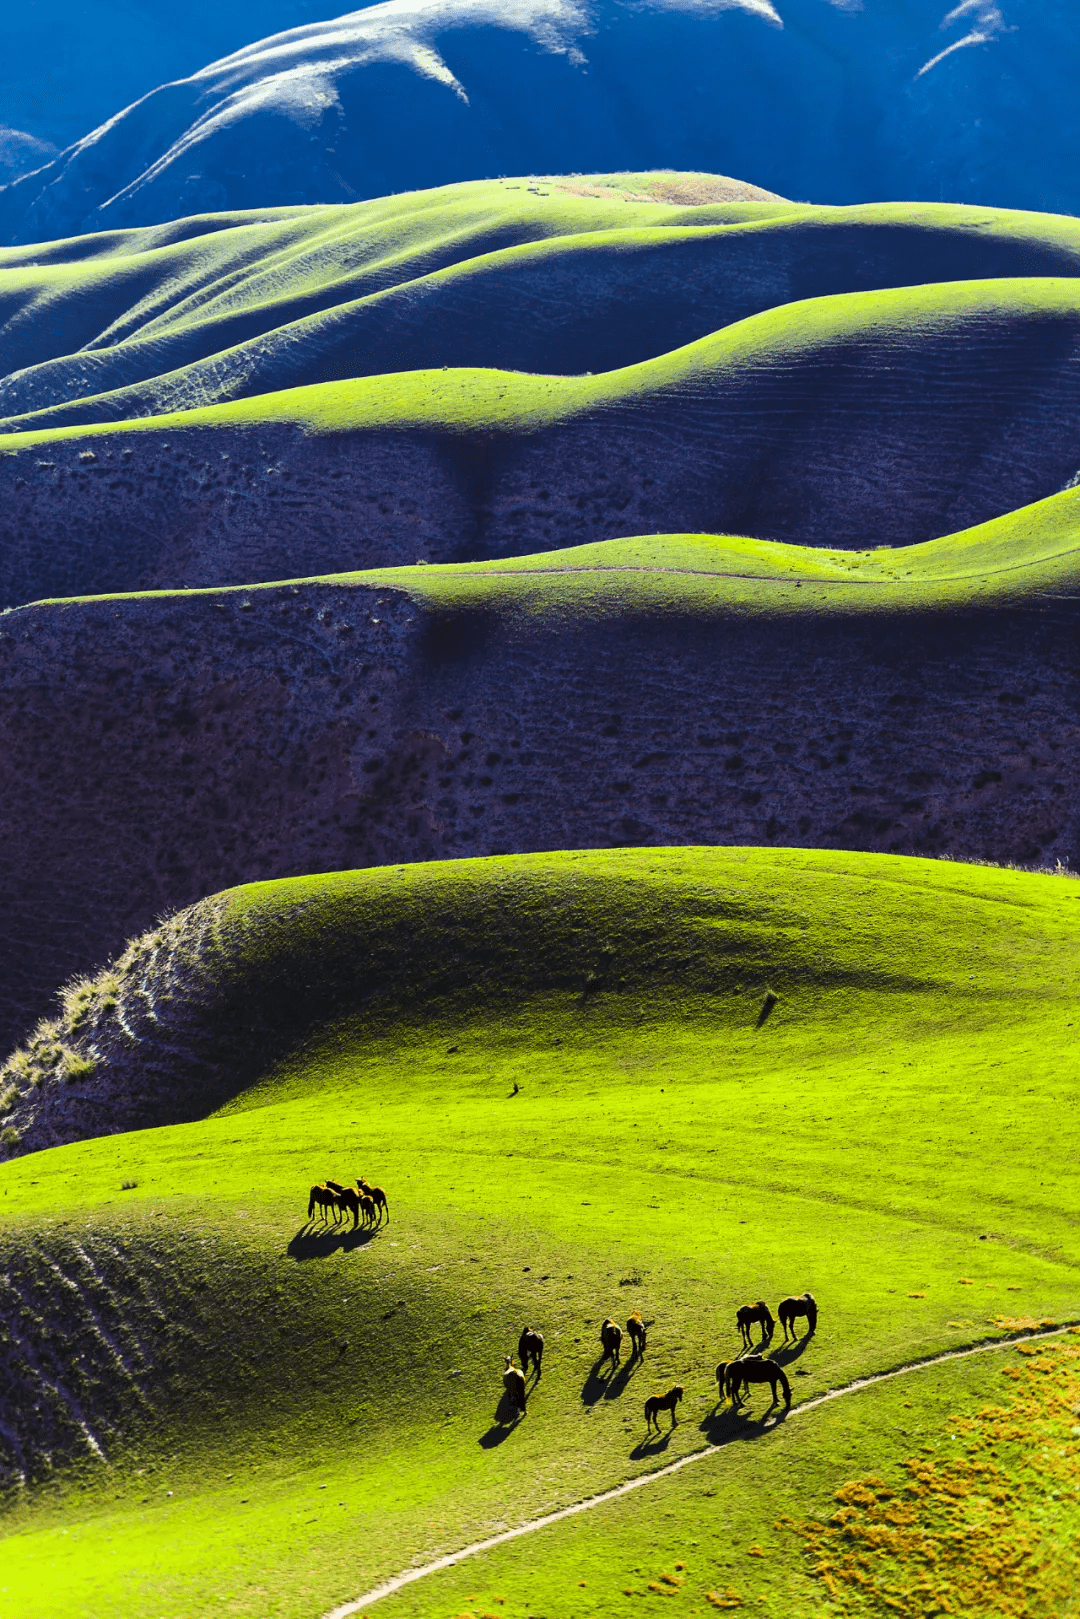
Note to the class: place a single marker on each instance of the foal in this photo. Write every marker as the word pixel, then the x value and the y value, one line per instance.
pixel 662 1402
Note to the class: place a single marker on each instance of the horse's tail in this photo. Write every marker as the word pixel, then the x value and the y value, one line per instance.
pixel 311 1202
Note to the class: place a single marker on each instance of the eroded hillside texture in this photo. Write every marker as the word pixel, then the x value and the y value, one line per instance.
pixel 160 749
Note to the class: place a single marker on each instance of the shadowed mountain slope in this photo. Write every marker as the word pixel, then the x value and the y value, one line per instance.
pixel 903 99
pixel 877 417
pixel 659 691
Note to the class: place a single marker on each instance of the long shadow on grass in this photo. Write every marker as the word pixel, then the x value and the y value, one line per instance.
pixel 725 1423
pixel 507 1417
pixel 310 1243
pixel 597 1387
pixel 784 1354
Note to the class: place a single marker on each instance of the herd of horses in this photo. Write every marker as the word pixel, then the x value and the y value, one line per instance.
pixel 368 1204
pixel 733 1377
pixel 363 1202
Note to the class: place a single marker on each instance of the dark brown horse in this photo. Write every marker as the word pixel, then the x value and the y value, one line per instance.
pixel 748 1315
pixel 636 1329
pixel 611 1341
pixel 804 1304
pixel 531 1349
pixel 723 1378
pixel 662 1402
pixel 358 1204
pixel 755 1370
pixel 323 1197
pixel 377 1195
pixel 514 1384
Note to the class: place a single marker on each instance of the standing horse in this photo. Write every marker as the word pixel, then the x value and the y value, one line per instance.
pixel 662 1402
pixel 323 1198
pixel 804 1304
pixel 531 1348
pixel 724 1373
pixel 377 1195
pixel 611 1341
pixel 357 1203
pixel 748 1314
pixel 636 1329
pixel 514 1384
pixel 755 1370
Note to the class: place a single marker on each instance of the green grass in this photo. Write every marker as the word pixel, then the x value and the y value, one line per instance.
pixel 1026 555
pixel 885 1133
pixel 465 399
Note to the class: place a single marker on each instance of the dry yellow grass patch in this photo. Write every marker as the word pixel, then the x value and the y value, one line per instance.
pixel 987 1530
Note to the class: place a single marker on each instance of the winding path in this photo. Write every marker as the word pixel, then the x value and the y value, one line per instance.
pixel 411 1575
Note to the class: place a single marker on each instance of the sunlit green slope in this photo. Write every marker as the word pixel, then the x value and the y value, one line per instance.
pixel 1029 555
pixel 887 417
pixel 556 276
pixel 881 1137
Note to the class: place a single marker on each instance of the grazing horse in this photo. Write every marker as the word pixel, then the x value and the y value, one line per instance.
pixel 514 1384
pixel 636 1328
pixel 755 1370
pixel 748 1314
pixel 802 1304
pixel 611 1340
pixel 662 1402
pixel 377 1195
pixel 323 1197
pixel 531 1348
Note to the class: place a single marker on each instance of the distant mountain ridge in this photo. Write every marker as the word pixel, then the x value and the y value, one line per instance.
pixel 808 97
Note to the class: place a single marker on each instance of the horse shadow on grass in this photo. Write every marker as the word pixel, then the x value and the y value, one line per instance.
pixel 725 1422
pixel 314 1242
pixel 507 1417
pixel 784 1354
pixel 597 1387
pixel 653 1444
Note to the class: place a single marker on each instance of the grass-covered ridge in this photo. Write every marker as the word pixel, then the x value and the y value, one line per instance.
pixel 541 276
pixel 873 1139
pixel 887 417
pixel 1029 555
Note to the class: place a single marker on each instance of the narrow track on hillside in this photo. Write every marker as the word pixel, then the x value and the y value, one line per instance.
pixel 398 1581
pixel 753 578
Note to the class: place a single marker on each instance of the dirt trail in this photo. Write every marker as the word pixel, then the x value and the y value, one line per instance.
pixel 410 1576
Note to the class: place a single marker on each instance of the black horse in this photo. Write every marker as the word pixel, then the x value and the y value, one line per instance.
pixel 741 1373
pixel 531 1349
pixel 750 1314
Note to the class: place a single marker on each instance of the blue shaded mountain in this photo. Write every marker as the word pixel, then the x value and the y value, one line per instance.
pixel 810 97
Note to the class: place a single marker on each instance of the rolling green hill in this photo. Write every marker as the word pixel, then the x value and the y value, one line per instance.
pixel 500 367
pixel 869 418
pixel 667 1150
pixel 660 690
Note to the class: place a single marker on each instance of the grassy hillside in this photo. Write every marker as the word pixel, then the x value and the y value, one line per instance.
pixel 664 1151
pixel 860 419
pixel 562 276
pixel 661 690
